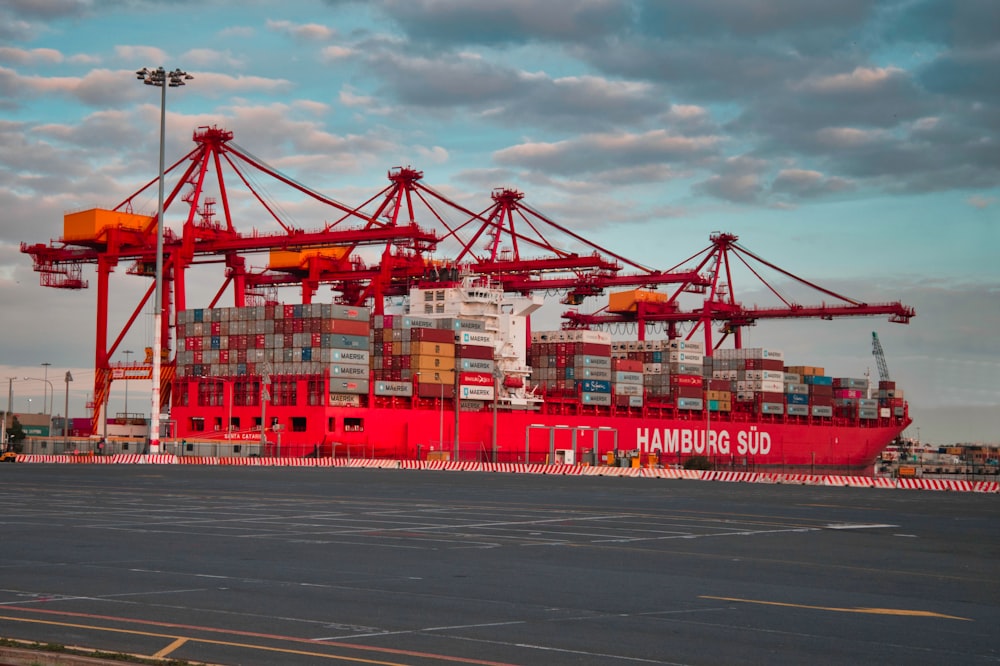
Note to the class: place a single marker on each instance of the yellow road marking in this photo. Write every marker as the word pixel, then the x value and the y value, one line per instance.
pixel 170 648
pixel 869 611
pixel 249 646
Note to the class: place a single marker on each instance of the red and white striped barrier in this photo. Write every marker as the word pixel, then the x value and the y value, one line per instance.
pixel 849 481
pixel 534 468
pixel 32 458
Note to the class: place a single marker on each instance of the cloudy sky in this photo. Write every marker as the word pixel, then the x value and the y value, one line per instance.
pixel 853 143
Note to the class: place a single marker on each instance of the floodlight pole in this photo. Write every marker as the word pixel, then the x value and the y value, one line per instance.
pixel 163 79
pixel 69 378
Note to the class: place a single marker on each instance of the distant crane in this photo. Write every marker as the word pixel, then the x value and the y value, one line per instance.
pixel 883 369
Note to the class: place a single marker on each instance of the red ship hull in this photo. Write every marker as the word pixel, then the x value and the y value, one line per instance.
pixel 738 441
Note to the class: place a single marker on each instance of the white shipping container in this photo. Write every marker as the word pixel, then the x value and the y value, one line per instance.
pixel 344 356
pixel 404 389
pixel 628 389
pixel 344 400
pixel 584 360
pixel 477 338
pixel 623 377
pixel 475 392
pixel 338 370
pixel 685 357
pixel 596 399
pixel 592 373
pixel 684 345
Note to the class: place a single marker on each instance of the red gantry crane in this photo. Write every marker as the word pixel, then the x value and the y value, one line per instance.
pixel 720 303
pixel 105 238
pixel 376 249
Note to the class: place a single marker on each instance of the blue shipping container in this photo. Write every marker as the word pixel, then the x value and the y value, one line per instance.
pixel 595 386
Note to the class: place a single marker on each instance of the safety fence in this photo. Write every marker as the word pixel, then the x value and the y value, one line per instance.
pixel 518 468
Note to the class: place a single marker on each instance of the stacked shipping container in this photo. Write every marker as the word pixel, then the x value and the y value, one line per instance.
pixel 280 339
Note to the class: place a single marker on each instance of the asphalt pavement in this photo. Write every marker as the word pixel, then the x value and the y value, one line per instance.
pixel 338 565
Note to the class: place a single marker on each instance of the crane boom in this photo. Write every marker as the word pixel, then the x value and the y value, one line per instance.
pixel 883 368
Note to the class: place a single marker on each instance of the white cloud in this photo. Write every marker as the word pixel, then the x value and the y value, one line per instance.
pixel 142 56
pixel 839 137
pixel 331 53
pixel 30 56
pixel 304 31
pixel 209 58
pixel 862 79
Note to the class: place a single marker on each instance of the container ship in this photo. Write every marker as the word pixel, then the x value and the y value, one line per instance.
pixel 467 379
pixel 427 348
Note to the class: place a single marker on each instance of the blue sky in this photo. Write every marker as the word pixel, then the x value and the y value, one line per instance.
pixel 853 143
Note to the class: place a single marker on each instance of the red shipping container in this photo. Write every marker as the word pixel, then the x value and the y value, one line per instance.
pixel 821 400
pixel 288 339
pixel 223 356
pixel 774 364
pixel 686 380
pixel 314 325
pixel 769 396
pixel 198 357
pixel 626 365
pixel 720 385
pixel 476 378
pixel 316 339
pixel 683 391
pixel 216 328
pixel 818 389
pixel 431 335
pixel 241 355
pixel 434 390
pixel 474 351
pixel 298 326
pixel 259 341
pixel 345 326
pixel 289 311
pixel 591 349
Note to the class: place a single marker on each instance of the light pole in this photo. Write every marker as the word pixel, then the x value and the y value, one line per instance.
pixel 128 353
pixel 48 408
pixel 50 390
pixel 10 406
pixel 69 378
pixel 162 79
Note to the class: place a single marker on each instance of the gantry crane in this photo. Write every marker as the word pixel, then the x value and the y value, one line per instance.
pixel 373 250
pixel 720 303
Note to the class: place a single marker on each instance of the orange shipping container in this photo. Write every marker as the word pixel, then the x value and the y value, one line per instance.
pixel 436 377
pixel 627 301
pixel 93 224
pixel 445 349
pixel 421 362
pixel 285 259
